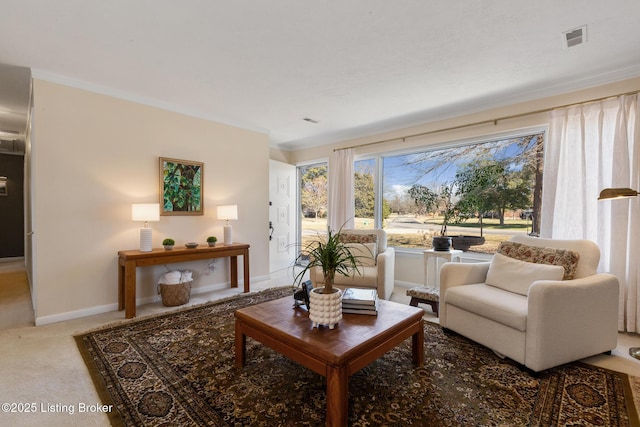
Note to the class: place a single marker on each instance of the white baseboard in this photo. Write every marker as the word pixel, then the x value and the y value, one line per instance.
pixel 100 309
pixel 407 285
pixel 12 259
pixel 259 279
pixel 76 314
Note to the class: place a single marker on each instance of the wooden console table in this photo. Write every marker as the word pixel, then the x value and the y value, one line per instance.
pixel 128 261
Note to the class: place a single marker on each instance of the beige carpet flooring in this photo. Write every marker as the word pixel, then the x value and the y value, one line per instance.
pixel 41 366
pixel 15 298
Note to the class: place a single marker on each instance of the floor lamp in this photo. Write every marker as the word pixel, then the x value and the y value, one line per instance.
pixel 621 193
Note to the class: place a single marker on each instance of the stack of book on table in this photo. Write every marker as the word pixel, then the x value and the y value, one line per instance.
pixel 360 301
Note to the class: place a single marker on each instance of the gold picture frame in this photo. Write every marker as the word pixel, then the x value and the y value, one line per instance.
pixel 181 187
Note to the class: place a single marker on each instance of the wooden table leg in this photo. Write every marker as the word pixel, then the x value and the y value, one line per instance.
pixel 129 289
pixel 120 285
pixel 246 270
pixel 337 396
pixel 241 345
pixel 233 270
pixel 417 341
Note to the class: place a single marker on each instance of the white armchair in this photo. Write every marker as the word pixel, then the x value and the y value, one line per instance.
pixel 544 324
pixel 377 274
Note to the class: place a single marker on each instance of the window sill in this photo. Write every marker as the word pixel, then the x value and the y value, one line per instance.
pixel 466 257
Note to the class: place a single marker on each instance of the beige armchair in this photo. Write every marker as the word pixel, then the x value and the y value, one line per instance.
pixel 376 272
pixel 540 323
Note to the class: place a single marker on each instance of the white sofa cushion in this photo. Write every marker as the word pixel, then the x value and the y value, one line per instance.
pixel 588 250
pixel 516 276
pixel 365 253
pixel 366 278
pixel 536 252
pixel 493 303
pixel 354 235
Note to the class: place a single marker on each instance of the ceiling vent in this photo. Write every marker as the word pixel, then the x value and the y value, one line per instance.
pixel 574 37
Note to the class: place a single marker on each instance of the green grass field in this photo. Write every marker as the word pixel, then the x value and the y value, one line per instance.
pixel 424 228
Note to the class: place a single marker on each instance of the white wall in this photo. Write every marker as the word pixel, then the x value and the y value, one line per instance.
pixel 93 156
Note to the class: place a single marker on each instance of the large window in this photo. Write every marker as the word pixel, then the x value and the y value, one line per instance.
pixel 491 189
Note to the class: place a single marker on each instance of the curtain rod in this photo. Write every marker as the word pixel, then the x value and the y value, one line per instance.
pixel 483 122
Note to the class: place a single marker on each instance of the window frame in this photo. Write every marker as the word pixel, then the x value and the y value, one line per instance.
pixel 440 145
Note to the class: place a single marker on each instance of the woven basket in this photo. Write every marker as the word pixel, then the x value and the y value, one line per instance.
pixel 173 295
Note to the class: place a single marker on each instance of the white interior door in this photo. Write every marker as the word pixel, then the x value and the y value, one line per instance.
pixel 282 202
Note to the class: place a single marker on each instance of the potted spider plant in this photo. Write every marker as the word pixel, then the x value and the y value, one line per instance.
pixel 333 257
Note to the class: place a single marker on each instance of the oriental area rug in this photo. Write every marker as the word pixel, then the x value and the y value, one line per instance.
pixel 178 369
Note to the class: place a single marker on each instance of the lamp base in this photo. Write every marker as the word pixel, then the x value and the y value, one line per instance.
pixel 146 236
pixel 228 239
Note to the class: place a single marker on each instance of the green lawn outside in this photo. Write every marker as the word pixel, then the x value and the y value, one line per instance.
pixel 416 232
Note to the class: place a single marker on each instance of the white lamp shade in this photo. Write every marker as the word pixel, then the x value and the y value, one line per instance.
pixel 145 212
pixel 228 212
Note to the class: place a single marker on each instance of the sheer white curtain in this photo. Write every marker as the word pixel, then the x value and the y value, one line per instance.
pixel 590 147
pixel 341 209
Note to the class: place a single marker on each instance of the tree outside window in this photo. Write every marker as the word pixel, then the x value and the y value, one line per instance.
pixel 313 201
pixel 491 189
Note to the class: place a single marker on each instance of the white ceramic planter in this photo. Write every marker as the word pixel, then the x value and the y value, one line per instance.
pixel 325 309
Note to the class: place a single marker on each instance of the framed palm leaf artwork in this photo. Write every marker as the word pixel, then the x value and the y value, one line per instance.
pixel 181 187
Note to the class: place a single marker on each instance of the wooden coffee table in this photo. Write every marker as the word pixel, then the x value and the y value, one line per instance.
pixel 355 342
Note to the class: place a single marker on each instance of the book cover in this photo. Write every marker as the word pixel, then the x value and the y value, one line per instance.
pixel 360 306
pixel 360 311
pixel 360 296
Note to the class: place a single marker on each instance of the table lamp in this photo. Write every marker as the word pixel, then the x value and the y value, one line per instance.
pixel 227 213
pixel 145 212
pixel 621 193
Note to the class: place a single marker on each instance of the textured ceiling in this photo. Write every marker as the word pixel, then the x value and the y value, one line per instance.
pixel 355 66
